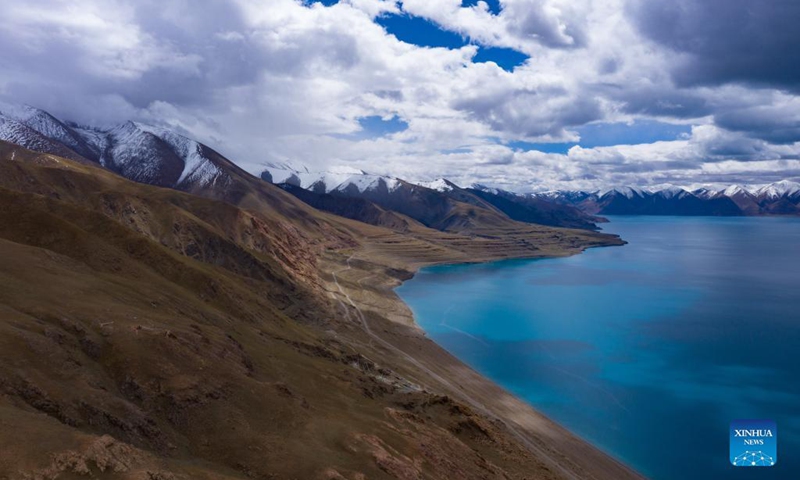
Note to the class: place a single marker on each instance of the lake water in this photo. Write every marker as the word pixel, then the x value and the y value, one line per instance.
pixel 648 350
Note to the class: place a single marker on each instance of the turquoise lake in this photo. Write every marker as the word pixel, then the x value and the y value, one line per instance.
pixel 648 351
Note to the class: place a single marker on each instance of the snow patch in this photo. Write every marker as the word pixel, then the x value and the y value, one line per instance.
pixel 440 185
pixel 484 188
pixel 671 191
pixel 334 179
pixel 628 192
pixel 784 188
pixel 735 190
pixel 366 182
pixel 195 166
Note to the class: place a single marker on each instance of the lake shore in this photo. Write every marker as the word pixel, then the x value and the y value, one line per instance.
pixel 368 278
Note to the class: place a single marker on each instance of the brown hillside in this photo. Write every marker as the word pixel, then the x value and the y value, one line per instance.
pixel 147 333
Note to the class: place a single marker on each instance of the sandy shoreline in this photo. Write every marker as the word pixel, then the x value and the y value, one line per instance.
pixel 388 321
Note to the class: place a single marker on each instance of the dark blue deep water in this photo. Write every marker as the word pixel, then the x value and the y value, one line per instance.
pixel 648 350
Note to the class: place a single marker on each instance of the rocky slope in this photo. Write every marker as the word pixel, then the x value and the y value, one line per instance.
pixel 354 208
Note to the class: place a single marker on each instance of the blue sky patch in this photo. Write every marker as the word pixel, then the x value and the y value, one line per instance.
pixel 494 5
pixel 422 32
pixel 505 58
pixel 378 127
pixel 638 132
pixel 374 126
pixel 419 31
pixel 542 147
pixel 610 134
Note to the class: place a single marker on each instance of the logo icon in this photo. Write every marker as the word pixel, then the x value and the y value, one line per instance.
pixel 754 443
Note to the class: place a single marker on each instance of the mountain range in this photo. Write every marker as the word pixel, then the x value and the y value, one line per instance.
pixel 575 209
pixel 160 156
pixel 167 315
pixel 780 198
pixel 440 204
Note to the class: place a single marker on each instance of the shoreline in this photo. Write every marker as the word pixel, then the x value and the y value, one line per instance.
pixel 533 407
pixel 561 451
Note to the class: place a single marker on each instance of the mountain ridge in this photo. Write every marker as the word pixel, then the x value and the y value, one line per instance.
pixel 779 198
pixel 432 203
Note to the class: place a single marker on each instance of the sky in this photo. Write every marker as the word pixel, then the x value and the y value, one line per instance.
pixel 526 95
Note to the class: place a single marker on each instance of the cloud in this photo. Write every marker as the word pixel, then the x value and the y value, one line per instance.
pixel 722 41
pixel 552 23
pixel 293 81
pixel 777 121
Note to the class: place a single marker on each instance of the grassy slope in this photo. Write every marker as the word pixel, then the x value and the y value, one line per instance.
pixel 148 333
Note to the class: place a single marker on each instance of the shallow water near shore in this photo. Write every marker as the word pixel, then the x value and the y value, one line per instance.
pixel 647 351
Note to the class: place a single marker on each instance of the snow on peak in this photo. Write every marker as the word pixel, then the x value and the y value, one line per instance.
pixel 779 189
pixel 551 194
pixel 17 112
pixel 195 165
pixel 138 151
pixel 284 167
pixel 440 185
pixel 144 151
pixel 704 192
pixel 345 170
pixel 483 188
pixel 735 190
pixel 16 132
pixel 48 126
pixel 281 173
pixel 333 178
pixel 628 192
pixel 672 191
pixel 366 182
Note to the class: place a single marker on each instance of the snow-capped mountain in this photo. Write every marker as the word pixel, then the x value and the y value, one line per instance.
pixel 782 189
pixel 672 192
pixel 535 208
pixel 483 188
pixel 440 185
pixel 732 191
pixel 439 203
pixel 627 192
pixel 360 184
pixel 566 196
pixel 143 153
pixel 703 192
pixel 426 205
pixel 17 132
pixel 780 198
pixel 49 127
pixel 162 156
pixel 330 180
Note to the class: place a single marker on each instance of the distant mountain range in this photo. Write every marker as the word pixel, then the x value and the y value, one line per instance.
pixel 162 157
pixel 780 198
pixel 440 204
pixel 578 209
